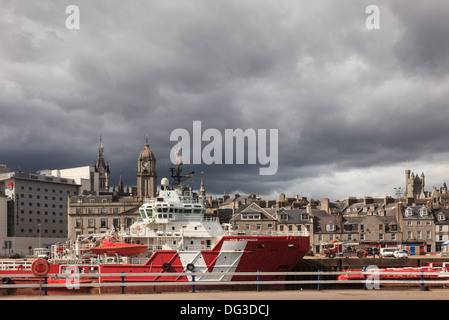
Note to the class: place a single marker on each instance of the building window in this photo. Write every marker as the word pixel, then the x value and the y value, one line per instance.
pixel 408 212
pixel 423 211
pixel 91 223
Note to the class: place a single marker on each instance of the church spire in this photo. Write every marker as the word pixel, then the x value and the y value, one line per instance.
pixel 102 168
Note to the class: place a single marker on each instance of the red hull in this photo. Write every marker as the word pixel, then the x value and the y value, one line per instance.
pixel 265 254
pixel 230 254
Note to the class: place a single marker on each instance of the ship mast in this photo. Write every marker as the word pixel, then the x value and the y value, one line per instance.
pixel 179 180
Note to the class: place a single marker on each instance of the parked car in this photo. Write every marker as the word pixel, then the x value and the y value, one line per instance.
pixel 400 254
pixel 14 256
pixel 387 252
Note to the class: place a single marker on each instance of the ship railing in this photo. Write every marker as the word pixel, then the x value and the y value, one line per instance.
pixel 273 233
pixel 15 265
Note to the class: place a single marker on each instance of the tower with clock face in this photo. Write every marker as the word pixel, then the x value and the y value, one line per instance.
pixel 146 173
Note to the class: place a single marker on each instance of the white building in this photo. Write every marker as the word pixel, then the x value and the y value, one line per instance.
pixel 86 177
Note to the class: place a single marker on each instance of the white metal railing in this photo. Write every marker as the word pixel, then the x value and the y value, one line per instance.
pixel 259 233
pixel 123 279
pixel 15 265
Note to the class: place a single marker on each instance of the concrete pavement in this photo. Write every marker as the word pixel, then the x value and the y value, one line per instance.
pixel 414 294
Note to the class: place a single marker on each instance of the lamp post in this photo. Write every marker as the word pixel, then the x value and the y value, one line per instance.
pixel 40 240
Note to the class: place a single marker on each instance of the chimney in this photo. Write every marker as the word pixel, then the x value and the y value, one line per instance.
pixel 388 200
pixel 351 201
pixel 325 205
pixel 399 209
pixel 309 208
pixel 368 200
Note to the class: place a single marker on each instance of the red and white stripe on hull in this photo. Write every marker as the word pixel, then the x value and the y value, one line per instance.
pixel 230 254
pixel 225 260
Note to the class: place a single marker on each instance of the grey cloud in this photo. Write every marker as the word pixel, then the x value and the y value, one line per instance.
pixel 342 96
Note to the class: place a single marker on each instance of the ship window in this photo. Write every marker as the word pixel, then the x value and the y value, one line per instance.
pixel 142 213
pixel 149 213
pixel 197 211
pixel 164 209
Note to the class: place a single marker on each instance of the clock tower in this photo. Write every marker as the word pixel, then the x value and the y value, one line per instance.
pixel 146 173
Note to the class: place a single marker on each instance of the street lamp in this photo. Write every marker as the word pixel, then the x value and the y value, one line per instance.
pixel 40 241
pixel 398 191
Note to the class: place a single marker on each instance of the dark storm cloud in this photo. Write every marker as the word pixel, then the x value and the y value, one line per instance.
pixel 343 97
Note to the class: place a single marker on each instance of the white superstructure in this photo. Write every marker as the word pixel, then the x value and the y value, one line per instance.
pixel 175 220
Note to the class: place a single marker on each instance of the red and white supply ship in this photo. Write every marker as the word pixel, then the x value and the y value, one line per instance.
pixel 173 235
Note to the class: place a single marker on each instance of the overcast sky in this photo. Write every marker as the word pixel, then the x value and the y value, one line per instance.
pixel 354 107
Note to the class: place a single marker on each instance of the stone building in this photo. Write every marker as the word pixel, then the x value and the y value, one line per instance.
pixel 417 227
pixel 326 228
pixel 414 185
pixel 441 219
pixel 103 170
pixel 255 220
pixel 93 214
pixel 88 214
pixel 146 173
pixel 294 221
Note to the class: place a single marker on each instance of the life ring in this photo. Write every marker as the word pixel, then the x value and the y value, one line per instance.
pixel 166 266
pixel 190 267
pixel 40 267
pixel 5 280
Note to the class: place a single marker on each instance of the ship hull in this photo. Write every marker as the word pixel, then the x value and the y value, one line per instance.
pixel 230 254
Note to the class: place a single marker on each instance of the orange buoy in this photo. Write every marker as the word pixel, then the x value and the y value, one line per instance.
pixel 40 267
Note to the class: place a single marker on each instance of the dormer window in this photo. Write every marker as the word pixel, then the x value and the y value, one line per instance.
pixel 330 227
pixel 441 217
pixel 408 212
pixel 423 211
pixel 251 216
